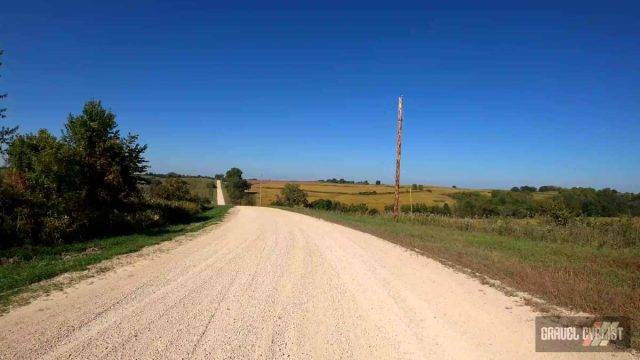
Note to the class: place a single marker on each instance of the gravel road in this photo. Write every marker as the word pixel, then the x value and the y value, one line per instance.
pixel 219 196
pixel 266 284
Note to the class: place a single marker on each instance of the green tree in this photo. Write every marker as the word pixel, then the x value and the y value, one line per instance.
pixel 76 186
pixel 7 134
pixel 111 164
pixel 235 185
pixel 292 195
pixel 378 182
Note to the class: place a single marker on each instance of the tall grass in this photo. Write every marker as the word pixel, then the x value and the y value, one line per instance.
pixel 596 232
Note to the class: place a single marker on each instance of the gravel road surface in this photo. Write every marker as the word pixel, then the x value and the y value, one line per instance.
pixel 219 196
pixel 267 284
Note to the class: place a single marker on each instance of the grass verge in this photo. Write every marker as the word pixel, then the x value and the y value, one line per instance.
pixel 25 266
pixel 597 280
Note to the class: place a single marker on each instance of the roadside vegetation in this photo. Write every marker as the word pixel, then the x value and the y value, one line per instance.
pixel 578 248
pixel 72 200
pixel 235 188
pixel 21 267
pixel 599 277
pixel 84 184
pixel 200 187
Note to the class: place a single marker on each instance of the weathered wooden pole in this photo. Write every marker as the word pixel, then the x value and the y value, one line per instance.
pixel 396 205
pixel 411 199
pixel 260 185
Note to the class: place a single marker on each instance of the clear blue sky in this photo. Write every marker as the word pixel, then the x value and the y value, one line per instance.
pixel 497 94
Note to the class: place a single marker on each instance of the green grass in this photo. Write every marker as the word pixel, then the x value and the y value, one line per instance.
pixel 598 280
pixel 31 265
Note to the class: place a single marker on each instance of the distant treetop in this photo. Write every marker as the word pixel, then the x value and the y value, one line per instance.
pixel 343 181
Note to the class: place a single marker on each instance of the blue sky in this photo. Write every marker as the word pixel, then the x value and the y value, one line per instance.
pixel 496 94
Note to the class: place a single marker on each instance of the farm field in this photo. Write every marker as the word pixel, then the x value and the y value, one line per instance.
pixel 352 193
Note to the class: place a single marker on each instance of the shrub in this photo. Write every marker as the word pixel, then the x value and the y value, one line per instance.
pixel 292 195
pixel 323 204
pixel 560 214
pixel 546 188
pixel 329 205
pixel 13 208
pixel 473 204
pixel 421 208
pixel 361 208
pixel 172 211
pixel 524 189
pixel 248 200
pixel 172 188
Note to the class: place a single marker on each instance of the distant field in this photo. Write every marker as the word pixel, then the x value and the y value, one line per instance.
pixel 349 193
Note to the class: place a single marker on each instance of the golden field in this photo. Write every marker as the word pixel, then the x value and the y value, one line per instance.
pixel 350 193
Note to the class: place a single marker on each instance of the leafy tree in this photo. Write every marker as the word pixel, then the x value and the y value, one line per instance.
pixel 378 182
pixel 549 188
pixel 236 185
pixel 77 185
pixel 11 204
pixel 111 164
pixel 6 133
pixel 292 195
pixel 524 189
pixel 414 186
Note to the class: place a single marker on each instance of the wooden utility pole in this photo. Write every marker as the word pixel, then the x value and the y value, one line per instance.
pixel 260 186
pixel 411 200
pixel 396 205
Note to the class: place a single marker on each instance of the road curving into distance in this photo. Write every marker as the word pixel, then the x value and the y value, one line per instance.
pixel 219 195
pixel 268 283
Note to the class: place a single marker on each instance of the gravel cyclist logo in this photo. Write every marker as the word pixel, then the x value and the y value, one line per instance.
pixel 581 333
